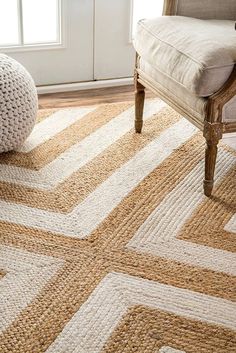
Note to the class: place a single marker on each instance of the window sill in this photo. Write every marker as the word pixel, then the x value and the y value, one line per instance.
pixel 33 47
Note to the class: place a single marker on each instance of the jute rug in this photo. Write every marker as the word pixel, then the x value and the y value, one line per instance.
pixel 107 242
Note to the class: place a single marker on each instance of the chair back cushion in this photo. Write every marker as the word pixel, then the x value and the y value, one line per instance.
pixel 207 9
pixel 198 54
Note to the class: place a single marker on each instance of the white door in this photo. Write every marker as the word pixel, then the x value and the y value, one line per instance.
pixel 68 41
pixel 53 39
pixel 114 53
pixel 115 22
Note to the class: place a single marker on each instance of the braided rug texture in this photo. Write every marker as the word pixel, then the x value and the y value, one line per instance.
pixel 107 243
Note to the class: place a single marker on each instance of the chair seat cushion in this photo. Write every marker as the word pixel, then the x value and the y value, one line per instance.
pixel 198 54
pixel 181 96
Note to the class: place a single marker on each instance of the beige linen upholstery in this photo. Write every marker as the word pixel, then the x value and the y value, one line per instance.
pixel 174 90
pixel 179 94
pixel 197 54
pixel 229 111
pixel 207 9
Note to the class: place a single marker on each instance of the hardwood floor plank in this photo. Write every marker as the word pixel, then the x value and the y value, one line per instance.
pixel 88 97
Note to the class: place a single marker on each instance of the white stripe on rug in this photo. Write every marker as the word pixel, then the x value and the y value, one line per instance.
pixel 158 234
pixel 26 274
pixel 55 123
pixel 167 349
pixel 231 225
pixel 79 154
pixel 92 211
pixel 94 322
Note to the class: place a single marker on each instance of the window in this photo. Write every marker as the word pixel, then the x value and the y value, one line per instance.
pixel 29 22
pixel 145 9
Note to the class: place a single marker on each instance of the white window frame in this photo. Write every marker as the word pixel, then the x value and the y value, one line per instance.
pixel 21 47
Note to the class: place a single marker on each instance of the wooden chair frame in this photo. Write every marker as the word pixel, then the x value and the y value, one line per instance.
pixel 213 127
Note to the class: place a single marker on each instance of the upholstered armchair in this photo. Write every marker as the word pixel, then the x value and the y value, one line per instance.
pixel 188 58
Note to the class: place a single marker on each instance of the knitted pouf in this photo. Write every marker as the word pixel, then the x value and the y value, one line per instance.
pixel 18 104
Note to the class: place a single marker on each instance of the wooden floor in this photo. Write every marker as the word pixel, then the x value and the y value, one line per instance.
pixel 88 97
pixel 98 96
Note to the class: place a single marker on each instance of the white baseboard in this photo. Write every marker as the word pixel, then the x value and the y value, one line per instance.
pixel 78 86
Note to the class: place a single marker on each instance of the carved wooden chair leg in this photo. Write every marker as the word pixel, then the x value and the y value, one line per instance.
pixel 210 162
pixel 212 133
pixel 139 104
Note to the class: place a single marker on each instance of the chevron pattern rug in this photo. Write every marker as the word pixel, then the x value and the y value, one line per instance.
pixel 108 244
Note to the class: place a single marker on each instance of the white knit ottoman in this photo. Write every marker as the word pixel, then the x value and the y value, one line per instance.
pixel 18 104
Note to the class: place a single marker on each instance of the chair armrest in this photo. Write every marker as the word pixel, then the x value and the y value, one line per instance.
pixel 210 9
pixel 217 101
